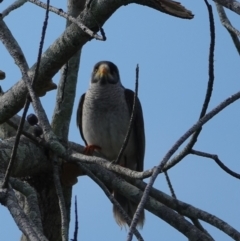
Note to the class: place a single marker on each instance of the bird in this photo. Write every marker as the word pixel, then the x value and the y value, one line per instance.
pixel 103 117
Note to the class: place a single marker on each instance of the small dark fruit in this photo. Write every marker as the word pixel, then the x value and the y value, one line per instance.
pixel 32 119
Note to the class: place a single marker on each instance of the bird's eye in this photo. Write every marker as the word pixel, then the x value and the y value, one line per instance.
pixel 95 69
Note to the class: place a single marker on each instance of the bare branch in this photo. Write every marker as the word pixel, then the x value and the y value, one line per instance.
pixel 208 94
pixel 61 13
pixel 61 50
pixel 75 157
pixel 44 28
pixel 13 122
pixel 15 147
pixel 234 33
pixel 13 49
pixel 130 126
pixel 111 198
pixel 9 200
pixel 17 4
pixel 16 52
pixel 120 185
pixel 31 196
pixel 64 219
pixel 76 222
pixel 216 159
pixel 33 211
pixel 67 85
pixel 174 148
pixel 8 129
pixel 225 21
pixel 79 158
pixel 8 40
pixel 230 4
pixel 157 208
pixel 170 185
pixel 194 220
pixel 190 211
pixel 169 7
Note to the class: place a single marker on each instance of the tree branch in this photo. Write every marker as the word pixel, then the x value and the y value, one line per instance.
pixel 160 210
pixel 31 197
pixel 67 85
pixel 61 13
pixel 190 211
pixel 17 4
pixel 67 45
pixel 230 4
pixel 24 224
pixel 216 159
pixel 76 222
pixel 132 117
pixel 125 189
pixel 234 33
pixel 208 94
pixel 61 201
pixel 174 148
pixel 111 198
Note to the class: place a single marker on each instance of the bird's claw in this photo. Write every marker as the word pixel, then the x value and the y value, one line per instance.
pixel 88 150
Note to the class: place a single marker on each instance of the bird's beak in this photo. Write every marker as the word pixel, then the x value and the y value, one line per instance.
pixel 103 70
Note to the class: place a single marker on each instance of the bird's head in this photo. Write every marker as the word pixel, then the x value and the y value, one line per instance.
pixel 105 72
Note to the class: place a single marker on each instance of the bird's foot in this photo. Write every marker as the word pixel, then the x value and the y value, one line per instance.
pixel 90 149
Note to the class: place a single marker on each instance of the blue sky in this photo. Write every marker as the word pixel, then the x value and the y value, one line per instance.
pixel 173 57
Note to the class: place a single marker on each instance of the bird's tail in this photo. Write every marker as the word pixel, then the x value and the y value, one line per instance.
pixel 129 207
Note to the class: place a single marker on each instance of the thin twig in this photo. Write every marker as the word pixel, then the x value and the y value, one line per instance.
pixel 6 36
pixel 15 51
pixel 225 21
pixel 232 5
pixel 155 207
pixel 170 185
pixel 76 157
pixel 76 222
pixel 216 159
pixel 21 61
pixel 210 74
pixel 210 61
pixel 20 218
pixel 61 13
pixel 208 94
pixel 112 199
pixel 130 126
pixel 174 148
pixel 189 210
pixel 99 27
pixel 79 158
pixel 194 220
pixel 44 29
pixel 25 133
pixel 15 146
pixel 197 224
pixel 194 138
pixel 61 201
pixel 17 4
pixel 234 33
pixel 32 202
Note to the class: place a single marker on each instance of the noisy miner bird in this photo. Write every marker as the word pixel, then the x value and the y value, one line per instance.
pixel 103 117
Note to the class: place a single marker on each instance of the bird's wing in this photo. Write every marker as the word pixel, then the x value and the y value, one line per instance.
pixel 137 128
pixel 79 117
